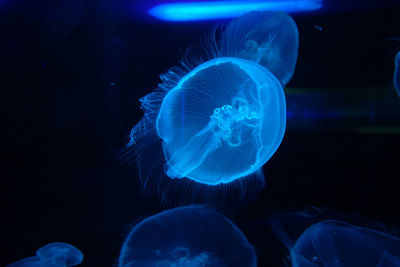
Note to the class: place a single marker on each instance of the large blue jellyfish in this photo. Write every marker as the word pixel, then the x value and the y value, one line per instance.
pixel 55 254
pixel 187 237
pixel 396 76
pixel 338 244
pixel 220 118
pixel 222 121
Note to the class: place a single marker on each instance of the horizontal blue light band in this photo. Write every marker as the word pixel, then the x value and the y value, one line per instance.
pixel 225 9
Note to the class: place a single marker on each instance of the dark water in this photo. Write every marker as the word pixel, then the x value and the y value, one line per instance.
pixel 70 79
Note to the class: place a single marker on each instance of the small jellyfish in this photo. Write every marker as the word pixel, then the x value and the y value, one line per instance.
pixel 59 253
pixel 55 254
pixel 220 118
pixel 335 243
pixel 189 236
pixel 396 76
pixel 270 39
pixel 320 237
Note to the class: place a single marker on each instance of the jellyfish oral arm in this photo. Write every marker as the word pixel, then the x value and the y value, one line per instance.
pixel 225 125
pixel 190 156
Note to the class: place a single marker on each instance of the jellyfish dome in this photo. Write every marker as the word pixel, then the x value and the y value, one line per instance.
pixel 186 237
pixel 222 121
pixel 335 243
pixel 29 262
pixel 61 254
pixel 57 254
pixel 217 119
pixel 268 38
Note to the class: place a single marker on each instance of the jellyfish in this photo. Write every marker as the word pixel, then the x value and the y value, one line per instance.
pixel 191 236
pixel 217 120
pixel 222 121
pixel 396 76
pixel 270 39
pixel 55 254
pixel 336 243
pixel 320 237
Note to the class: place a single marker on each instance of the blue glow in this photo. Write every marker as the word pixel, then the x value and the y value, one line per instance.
pixel 396 76
pixel 335 243
pixel 219 117
pixel 223 121
pixel 55 254
pixel 28 262
pixel 186 237
pixel 226 9
pixel 270 39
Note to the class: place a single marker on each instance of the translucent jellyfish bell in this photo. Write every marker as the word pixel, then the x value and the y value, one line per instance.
pixel 222 121
pixel 186 237
pixel 55 254
pixel 338 244
pixel 61 254
pixel 270 39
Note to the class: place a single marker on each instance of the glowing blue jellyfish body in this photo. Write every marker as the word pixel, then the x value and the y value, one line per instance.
pixel 186 236
pixel 270 39
pixel 396 76
pixel 59 253
pixel 55 254
pixel 338 244
pixel 222 121
pixel 220 118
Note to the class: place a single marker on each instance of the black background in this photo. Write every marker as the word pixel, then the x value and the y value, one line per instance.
pixel 71 76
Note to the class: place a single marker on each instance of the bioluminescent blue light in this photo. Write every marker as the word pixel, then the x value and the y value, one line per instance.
pixel 186 237
pixel 220 117
pixel 270 39
pixel 59 253
pixel 55 254
pixel 209 10
pixel 396 76
pixel 338 244
pixel 222 121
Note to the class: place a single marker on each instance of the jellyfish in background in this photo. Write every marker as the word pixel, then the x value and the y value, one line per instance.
pixel 270 39
pixel 186 237
pixel 319 237
pixel 338 244
pixel 56 254
pixel 219 119
pixel 396 76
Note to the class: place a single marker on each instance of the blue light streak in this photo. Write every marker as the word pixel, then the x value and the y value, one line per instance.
pixel 191 11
